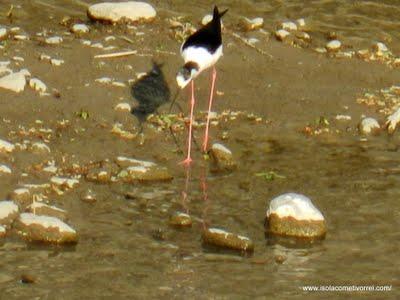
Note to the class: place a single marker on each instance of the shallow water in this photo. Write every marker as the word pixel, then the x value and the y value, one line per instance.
pixel 126 248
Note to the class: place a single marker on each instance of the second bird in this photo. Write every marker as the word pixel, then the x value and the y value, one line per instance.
pixel 201 51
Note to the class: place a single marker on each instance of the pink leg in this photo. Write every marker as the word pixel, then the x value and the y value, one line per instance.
pixel 188 159
pixel 205 141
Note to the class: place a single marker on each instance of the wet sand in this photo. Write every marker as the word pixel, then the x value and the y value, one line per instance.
pixel 126 248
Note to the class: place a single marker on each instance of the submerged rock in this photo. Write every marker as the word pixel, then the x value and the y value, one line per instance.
pixel 142 173
pixel 180 219
pixel 8 212
pixel 222 238
pixel 369 126
pixel 221 158
pixel 294 215
pixel 140 170
pixel 131 11
pixel 45 229
pixel 43 209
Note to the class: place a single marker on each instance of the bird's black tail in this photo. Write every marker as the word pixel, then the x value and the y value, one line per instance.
pixel 218 15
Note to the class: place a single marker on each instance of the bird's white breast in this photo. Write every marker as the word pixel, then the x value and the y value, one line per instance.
pixel 201 56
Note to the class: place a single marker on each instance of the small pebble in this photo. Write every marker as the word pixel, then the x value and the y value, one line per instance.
pixel 80 28
pixel 282 34
pixel 290 26
pixel 123 107
pixel 54 40
pixel 180 219
pixel 333 45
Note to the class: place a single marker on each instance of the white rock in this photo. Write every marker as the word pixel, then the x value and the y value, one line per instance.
pixel 104 80
pixel 301 22
pixel 62 181
pixel 281 34
pixel 37 85
pixel 80 28
pixel 4 67
pixel 3 33
pixel 380 48
pixel 45 228
pixel 44 57
pixel 126 161
pixel 296 206
pixel 8 212
pixel 369 125
pixel 221 148
pixel 40 147
pixel 56 62
pixel 290 26
pixel 253 41
pixel 5 170
pixel 123 107
pixel 343 117
pixel 18 58
pixel 118 84
pixel 86 42
pixel 39 208
pixel 29 219
pixel 20 37
pixel 206 19
pixel 393 120
pixel 333 45
pixel 114 12
pixel 54 40
pixel 6 146
pixel 14 81
pixel 2 232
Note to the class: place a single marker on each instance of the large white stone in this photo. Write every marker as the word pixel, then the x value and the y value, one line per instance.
pixel 369 125
pixel 37 85
pixel 114 12
pixel 294 205
pixel 7 208
pixel 14 82
pixel 393 120
pixel 6 146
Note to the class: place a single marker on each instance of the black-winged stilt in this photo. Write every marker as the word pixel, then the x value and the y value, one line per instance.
pixel 201 51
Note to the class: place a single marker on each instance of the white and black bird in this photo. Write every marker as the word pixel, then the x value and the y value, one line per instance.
pixel 201 51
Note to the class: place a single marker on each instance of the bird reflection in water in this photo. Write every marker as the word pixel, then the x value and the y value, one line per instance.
pixel 151 91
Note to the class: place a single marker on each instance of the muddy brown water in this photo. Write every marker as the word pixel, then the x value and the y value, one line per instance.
pixel 126 248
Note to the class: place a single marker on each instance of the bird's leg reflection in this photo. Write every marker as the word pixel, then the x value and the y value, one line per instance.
pixel 203 184
pixel 185 192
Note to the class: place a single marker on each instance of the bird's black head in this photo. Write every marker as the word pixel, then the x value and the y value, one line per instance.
pixel 188 72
